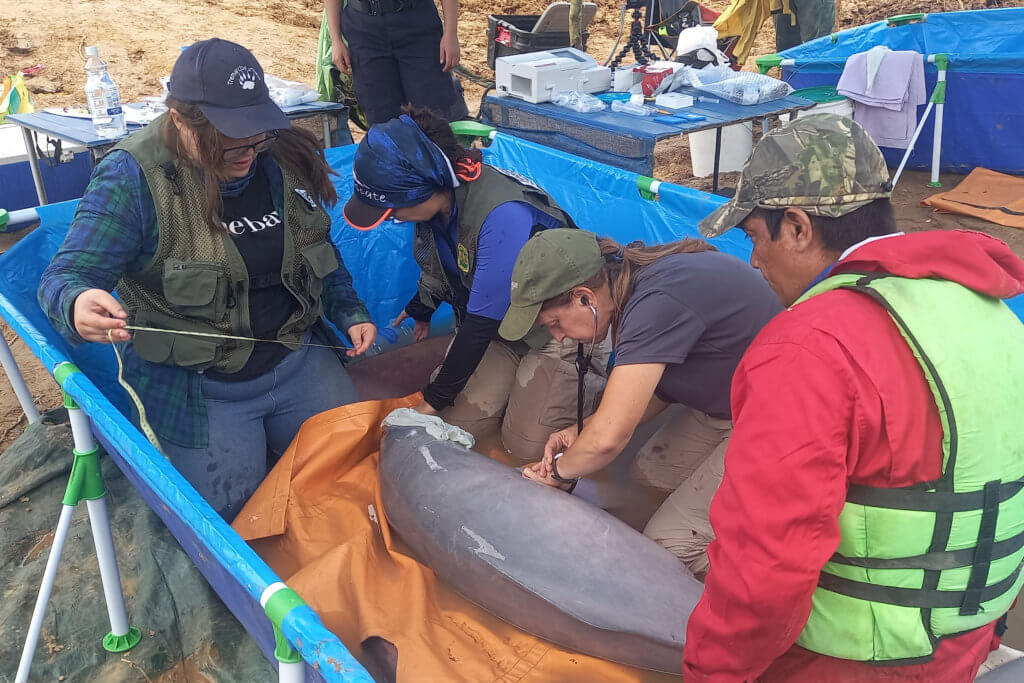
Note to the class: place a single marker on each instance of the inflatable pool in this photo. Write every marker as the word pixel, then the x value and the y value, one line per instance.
pixel 984 99
pixel 618 203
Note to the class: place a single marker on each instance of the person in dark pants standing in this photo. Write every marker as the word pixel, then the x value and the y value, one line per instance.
pixel 806 20
pixel 398 53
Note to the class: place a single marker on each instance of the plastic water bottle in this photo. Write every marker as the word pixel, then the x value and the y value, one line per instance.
pixel 390 338
pixel 103 96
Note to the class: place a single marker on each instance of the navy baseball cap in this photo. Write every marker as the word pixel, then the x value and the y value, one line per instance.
pixel 396 166
pixel 226 82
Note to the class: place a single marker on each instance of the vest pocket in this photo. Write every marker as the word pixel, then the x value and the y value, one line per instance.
pixel 320 261
pixel 196 290
pixel 167 348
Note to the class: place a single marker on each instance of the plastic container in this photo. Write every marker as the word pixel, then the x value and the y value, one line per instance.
pixel 512 34
pixel 103 96
pixel 828 100
pixel 737 144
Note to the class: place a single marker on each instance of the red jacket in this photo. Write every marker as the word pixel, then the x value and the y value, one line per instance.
pixel 828 394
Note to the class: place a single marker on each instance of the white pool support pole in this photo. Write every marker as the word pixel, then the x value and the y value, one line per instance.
pixel 39 612
pixel 85 483
pixel 941 61
pixel 910 147
pixel 937 100
pixel 18 383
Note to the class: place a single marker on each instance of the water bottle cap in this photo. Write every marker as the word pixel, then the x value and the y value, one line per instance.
pixel 92 51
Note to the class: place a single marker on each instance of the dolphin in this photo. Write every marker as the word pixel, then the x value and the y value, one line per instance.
pixel 1012 672
pixel 534 556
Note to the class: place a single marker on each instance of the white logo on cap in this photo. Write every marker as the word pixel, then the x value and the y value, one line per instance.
pixel 246 76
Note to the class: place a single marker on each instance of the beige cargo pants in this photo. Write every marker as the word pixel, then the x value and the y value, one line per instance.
pixel 527 394
pixel 686 456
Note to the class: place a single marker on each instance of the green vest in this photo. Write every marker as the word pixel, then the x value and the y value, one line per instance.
pixel 917 564
pixel 475 200
pixel 197 281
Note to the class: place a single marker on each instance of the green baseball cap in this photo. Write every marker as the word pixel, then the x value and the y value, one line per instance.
pixel 825 164
pixel 550 263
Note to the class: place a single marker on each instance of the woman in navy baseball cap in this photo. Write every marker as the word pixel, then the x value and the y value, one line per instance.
pixel 471 221
pixel 210 225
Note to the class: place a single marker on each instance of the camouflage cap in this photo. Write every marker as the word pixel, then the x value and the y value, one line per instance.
pixel 825 164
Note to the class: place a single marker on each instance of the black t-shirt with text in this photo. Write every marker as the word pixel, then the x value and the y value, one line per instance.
pixel 258 232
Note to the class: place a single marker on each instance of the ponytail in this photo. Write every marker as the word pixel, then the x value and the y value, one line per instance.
pixel 621 263
pixel 466 162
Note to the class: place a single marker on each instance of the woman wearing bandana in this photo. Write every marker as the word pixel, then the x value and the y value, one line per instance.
pixel 471 221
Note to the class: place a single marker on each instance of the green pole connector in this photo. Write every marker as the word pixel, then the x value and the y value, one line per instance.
pixel 939 94
pixel 278 606
pixel 766 62
pixel 283 650
pixel 466 131
pixel 61 373
pixel 5 218
pixel 902 19
pixel 112 643
pixel 645 185
pixel 86 480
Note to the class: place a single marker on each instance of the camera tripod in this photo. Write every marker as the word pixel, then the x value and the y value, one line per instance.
pixel 635 42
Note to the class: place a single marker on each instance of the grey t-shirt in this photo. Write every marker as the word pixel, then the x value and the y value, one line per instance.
pixel 697 313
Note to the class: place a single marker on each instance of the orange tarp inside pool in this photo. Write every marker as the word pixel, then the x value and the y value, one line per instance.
pixel 319 523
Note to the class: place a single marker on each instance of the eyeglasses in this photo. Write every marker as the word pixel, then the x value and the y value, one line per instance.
pixel 234 154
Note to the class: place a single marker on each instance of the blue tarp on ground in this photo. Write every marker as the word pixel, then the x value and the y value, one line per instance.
pixel 984 112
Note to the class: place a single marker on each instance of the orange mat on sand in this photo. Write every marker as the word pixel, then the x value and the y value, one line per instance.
pixel 985 194
pixel 319 523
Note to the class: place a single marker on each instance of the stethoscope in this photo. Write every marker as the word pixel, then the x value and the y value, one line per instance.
pixel 582 365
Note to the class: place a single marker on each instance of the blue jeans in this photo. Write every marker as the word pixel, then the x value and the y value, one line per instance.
pixel 253 422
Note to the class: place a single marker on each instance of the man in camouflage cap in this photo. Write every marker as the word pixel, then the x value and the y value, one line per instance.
pixel 825 164
pixel 817 168
pixel 829 402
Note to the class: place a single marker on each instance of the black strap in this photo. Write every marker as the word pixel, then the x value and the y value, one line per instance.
pixel 920 598
pixel 982 551
pixel 581 374
pixel 938 561
pixel 914 498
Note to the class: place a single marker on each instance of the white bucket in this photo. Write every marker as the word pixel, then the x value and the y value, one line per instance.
pixel 737 143
pixel 843 107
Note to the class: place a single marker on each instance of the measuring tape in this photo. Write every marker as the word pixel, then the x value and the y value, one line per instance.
pixel 143 422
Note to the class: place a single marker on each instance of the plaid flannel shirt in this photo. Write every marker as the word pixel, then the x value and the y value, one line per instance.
pixel 115 232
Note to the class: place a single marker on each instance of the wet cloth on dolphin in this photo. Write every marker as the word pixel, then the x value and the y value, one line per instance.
pixel 318 521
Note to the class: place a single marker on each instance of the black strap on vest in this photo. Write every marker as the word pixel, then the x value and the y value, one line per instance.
pixel 937 561
pixel 924 500
pixel 920 598
pixel 982 551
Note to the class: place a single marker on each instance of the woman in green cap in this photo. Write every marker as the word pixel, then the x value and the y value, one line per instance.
pixel 681 315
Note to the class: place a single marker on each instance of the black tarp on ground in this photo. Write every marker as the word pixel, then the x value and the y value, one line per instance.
pixel 188 634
